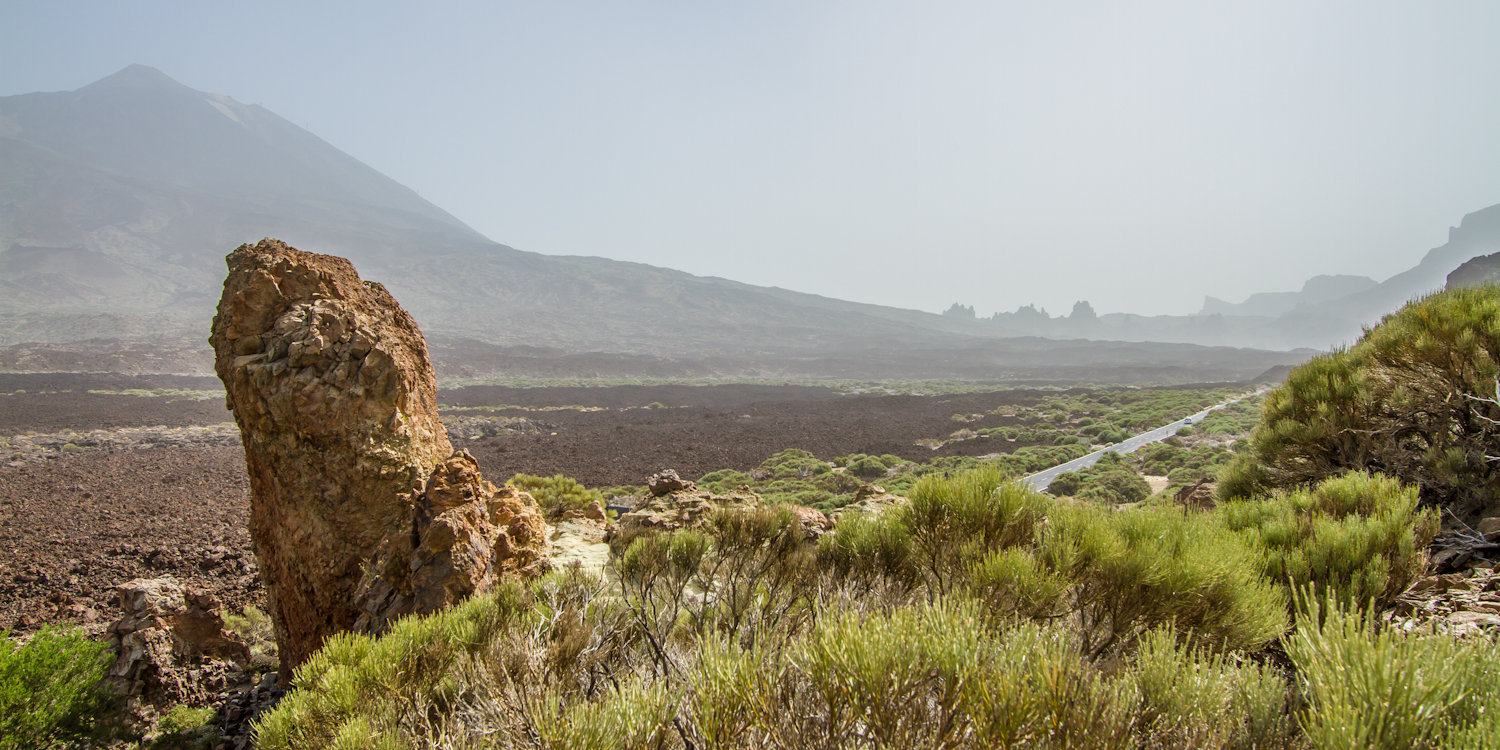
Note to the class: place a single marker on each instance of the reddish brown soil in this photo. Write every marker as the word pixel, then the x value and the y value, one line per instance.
pixel 73 528
pixel 76 524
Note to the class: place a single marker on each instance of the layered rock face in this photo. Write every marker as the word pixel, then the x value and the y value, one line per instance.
pixel 335 397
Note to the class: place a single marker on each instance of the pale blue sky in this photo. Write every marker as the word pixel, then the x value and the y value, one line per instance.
pixel 1138 155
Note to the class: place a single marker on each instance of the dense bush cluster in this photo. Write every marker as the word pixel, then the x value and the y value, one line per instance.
pixel 1414 398
pixel 1112 480
pixel 979 614
pixel 797 477
pixel 50 691
pixel 556 494
pixel 1180 464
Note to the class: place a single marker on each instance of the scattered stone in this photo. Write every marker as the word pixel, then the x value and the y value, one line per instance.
pixel 1458 604
pixel 667 482
pixel 1488 526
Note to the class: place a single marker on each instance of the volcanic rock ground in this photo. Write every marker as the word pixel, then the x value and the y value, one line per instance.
pixel 99 488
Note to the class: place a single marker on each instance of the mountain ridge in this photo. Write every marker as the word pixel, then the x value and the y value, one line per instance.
pixel 119 201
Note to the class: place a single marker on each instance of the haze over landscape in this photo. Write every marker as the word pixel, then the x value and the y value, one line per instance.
pixel 1132 158
pixel 845 375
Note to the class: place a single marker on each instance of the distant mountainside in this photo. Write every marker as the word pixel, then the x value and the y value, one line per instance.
pixel 1272 304
pixel 118 202
pixel 1327 312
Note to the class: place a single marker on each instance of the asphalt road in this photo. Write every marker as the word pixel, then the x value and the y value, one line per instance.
pixel 1043 479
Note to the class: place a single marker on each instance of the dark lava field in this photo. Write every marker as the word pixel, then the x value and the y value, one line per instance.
pixel 172 499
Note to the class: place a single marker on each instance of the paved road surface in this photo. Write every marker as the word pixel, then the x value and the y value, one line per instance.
pixel 1042 480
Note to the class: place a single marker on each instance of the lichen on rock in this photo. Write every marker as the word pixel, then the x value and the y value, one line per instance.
pixel 331 385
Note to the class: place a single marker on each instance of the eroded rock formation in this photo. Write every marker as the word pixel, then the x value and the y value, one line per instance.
pixel 172 646
pixel 468 533
pixel 335 397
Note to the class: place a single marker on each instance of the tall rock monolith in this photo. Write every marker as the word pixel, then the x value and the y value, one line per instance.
pixel 349 465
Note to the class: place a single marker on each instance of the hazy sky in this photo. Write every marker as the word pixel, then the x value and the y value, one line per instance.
pixel 1138 155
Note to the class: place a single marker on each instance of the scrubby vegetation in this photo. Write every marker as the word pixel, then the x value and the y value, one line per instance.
pixel 1414 398
pixel 1113 480
pixel 51 695
pixel 979 614
pixel 556 495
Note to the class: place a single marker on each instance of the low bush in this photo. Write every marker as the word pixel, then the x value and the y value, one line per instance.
pixel 980 614
pixel 794 463
pixel 186 728
pixel 1379 688
pixel 556 494
pixel 1360 536
pixel 1414 398
pixel 51 694
pixel 255 629
pixel 1110 481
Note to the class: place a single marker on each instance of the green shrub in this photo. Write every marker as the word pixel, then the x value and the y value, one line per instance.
pixel 1116 487
pixel 1414 398
pixel 724 480
pixel 1359 535
pixel 1378 688
pixel 186 728
pixel 1065 484
pixel 557 494
pixel 869 549
pixel 1158 566
pixel 980 614
pixel 51 691
pixel 1243 478
pixel 1191 697
pixel 794 463
pixel 1110 481
pixel 954 521
pixel 256 630
pixel 1117 573
pixel 357 690
pixel 861 465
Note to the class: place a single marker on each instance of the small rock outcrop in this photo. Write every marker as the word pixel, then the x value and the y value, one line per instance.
pixel 171 646
pixel 675 503
pixel 870 498
pixel 335 397
pixel 1199 495
pixel 666 482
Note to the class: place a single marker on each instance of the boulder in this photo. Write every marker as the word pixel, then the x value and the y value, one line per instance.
pixel 335 397
pixel 1488 526
pixel 666 482
pixel 1199 495
pixel 171 646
